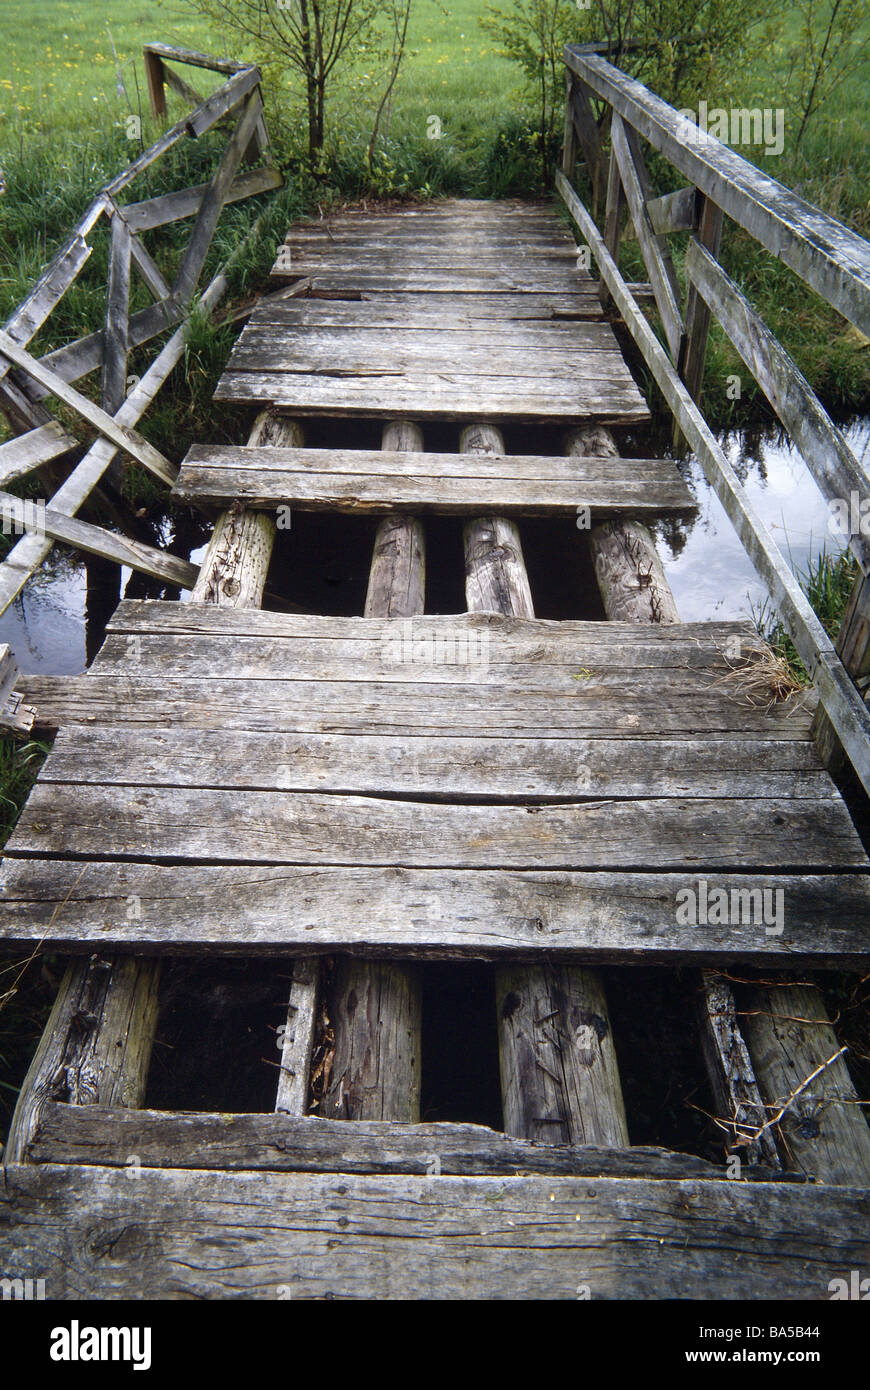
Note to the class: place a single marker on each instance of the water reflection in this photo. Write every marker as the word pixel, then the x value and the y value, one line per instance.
pixel 704 560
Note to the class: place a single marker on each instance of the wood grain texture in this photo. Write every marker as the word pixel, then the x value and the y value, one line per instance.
pixel 823 1131
pixel 359 480
pixel 92 1233
pixel 531 915
pixel 251 1142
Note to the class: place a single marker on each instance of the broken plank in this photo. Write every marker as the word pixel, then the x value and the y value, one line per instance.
pixel 265 827
pixel 281 1143
pixel 21 456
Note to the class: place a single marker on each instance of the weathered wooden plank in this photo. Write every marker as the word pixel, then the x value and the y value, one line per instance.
pixel 194 58
pixel 490 312
pixel 95 540
pixel 213 199
pixel 519 638
pixel 848 713
pixel 447 395
pixel 418 657
pixel 189 824
pixel 653 248
pixel 378 355
pixel 172 207
pixel 584 468
pixel 279 1143
pixel 20 456
pixel 821 444
pixel 123 436
pixel 570 340
pixel 828 256
pixel 116 344
pixel 347 707
pixel 280 1235
pixel 674 212
pixel 411 913
pixel 307 490
pixel 52 285
pixel 438 766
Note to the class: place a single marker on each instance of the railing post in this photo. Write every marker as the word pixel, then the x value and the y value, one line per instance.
pixel 853 644
pixel 612 221
pixel 694 347
pixel 156 77
pixel 569 142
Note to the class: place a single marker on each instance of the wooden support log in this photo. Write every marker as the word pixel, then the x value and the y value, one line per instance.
pixel 823 1129
pixel 559 1078
pixel 96 1046
pixel 297 1040
pixel 633 588
pixel 375 1007
pixel 397 578
pixel 627 565
pixel 495 572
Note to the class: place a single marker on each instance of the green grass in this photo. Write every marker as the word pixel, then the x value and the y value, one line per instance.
pixel 827 582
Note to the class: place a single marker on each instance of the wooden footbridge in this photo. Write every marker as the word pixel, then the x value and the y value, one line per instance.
pixel 397 787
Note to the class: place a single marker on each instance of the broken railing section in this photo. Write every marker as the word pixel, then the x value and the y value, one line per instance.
pixel 831 259
pixel 13 713
pixel 26 381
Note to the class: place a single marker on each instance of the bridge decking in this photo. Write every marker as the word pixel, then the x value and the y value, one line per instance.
pixel 476 785
pixel 463 312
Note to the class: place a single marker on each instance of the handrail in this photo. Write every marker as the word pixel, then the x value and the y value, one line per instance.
pixel 829 257
pixel 818 248
pixel 26 381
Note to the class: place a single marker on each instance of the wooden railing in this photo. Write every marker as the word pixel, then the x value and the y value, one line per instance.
pixel 26 382
pixel 832 260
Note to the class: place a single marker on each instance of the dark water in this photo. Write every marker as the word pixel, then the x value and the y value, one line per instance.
pixel 321 563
